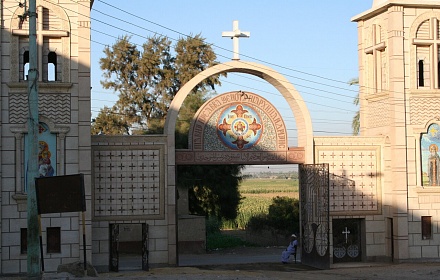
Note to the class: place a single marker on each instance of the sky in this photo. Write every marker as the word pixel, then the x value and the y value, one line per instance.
pixel 312 43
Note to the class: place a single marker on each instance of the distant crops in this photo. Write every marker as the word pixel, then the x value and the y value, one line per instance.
pixel 257 195
pixel 272 186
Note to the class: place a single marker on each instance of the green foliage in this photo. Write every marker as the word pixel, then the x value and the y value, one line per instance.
pixel 260 186
pixel 356 122
pixel 148 79
pixel 257 195
pixel 110 122
pixel 213 225
pixel 283 216
pixel 219 240
pixel 274 175
pixel 189 107
pixel 213 190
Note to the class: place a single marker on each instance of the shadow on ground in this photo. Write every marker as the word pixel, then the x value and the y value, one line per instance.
pixel 279 267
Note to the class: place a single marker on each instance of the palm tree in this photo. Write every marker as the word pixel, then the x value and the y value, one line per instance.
pixel 356 122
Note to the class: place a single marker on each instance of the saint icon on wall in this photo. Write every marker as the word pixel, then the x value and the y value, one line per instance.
pixel 45 168
pixel 47 152
pixel 430 158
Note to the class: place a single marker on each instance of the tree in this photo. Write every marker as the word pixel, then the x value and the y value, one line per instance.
pixel 356 122
pixel 282 217
pixel 213 190
pixel 109 122
pixel 148 80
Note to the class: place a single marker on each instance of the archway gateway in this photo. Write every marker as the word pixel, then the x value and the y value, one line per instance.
pixel 292 97
pixel 245 128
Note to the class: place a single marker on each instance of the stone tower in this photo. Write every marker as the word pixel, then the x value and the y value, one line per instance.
pixel 399 97
pixel 63 32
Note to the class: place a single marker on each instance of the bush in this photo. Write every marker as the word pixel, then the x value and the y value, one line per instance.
pixel 213 225
pixel 221 241
pixel 283 217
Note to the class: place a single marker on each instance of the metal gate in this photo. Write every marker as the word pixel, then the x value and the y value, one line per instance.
pixel 114 247
pixel 347 240
pixel 114 250
pixel 145 265
pixel 315 221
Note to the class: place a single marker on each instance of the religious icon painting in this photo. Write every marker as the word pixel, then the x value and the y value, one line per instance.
pixel 47 152
pixel 430 143
pixel 239 127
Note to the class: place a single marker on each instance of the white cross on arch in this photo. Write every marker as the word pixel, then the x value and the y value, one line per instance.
pixel 235 34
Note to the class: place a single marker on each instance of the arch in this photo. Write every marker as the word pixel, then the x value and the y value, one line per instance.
pixel 292 97
pixel 414 56
pixel 16 24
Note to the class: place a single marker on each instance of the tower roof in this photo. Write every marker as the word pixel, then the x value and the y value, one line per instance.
pixel 377 3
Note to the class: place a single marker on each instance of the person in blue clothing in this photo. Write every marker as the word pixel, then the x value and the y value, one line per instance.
pixel 291 249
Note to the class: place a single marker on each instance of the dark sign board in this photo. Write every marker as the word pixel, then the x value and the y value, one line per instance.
pixel 60 194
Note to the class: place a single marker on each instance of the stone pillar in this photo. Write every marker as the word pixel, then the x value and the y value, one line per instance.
pixel 398 135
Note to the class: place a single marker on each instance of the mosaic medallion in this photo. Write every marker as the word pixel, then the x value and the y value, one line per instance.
pixel 353 250
pixel 239 127
pixel 339 252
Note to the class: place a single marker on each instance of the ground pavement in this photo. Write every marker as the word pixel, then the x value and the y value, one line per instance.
pixel 263 263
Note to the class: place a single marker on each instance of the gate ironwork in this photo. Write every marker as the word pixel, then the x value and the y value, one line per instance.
pixel 315 221
pixel 114 250
pixel 114 247
pixel 347 240
pixel 145 264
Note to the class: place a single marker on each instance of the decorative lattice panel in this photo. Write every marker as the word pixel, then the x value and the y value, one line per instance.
pixel 127 183
pixel 354 179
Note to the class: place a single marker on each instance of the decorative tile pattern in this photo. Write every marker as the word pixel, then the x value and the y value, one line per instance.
pixel 53 106
pixel 126 183
pixel 378 115
pixel 423 109
pixel 354 179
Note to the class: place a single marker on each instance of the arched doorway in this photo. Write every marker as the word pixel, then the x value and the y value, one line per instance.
pixel 236 103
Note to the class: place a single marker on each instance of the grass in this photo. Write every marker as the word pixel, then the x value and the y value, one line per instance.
pixel 218 240
pixel 257 195
pixel 268 186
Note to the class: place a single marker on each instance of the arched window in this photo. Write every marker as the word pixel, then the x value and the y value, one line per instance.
pixel 25 65
pixel 421 76
pixel 52 66
pixel 426 39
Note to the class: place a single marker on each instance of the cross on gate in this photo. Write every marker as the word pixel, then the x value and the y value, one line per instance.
pixel 346 232
pixel 235 34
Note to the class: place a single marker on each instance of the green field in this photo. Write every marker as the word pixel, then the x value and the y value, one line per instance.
pixel 257 195
pixel 269 186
